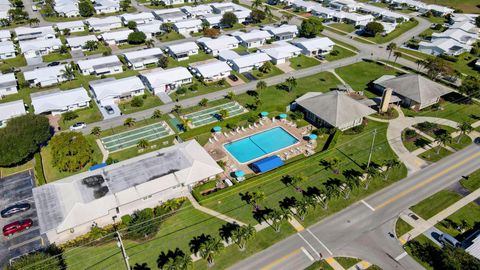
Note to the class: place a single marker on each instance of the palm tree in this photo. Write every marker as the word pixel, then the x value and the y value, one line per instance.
pixel 203 102
pixel 257 3
pixel 291 83
pixel 32 21
pixel 331 164
pixel 157 114
pixel 91 45
pixel 209 248
pixel 257 198
pixel 129 122
pixel 371 172
pixel 302 207
pixel 96 131
pixel 66 32
pixel 177 108
pixel 420 63
pixel 242 234
pixel 223 113
pixel 442 139
pixel 267 11
pixel 142 144
pixel 296 180
pixel 276 217
pixel 226 231
pixel 174 260
pixel 186 122
pixel 149 43
pixel 167 27
pixel 389 165
pixel 287 17
pixel 390 48
pixel 396 54
pixel 230 95
pixel 261 85
pixel 464 128
pixel 68 73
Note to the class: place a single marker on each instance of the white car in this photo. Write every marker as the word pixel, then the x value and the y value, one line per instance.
pixel 78 126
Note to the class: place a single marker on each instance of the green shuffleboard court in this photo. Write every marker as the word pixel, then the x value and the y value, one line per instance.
pixel 210 115
pixel 132 137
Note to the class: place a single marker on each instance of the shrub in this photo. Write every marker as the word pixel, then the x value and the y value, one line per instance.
pixel 70 115
pixel 410 134
pixel 136 38
pixel 334 53
pixel 126 219
pixel 448 57
pixel 136 102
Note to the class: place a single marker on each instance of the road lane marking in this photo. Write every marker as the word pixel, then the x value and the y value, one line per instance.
pixel 318 240
pixel 279 260
pixel 368 205
pixel 437 175
pixel 308 243
pixel 307 254
pixel 399 257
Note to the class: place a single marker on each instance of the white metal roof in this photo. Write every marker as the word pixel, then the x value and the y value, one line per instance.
pixel 117 35
pixel 188 23
pixel 166 76
pixel 183 47
pixel 282 29
pixel 8 78
pixel 91 63
pixel 57 100
pixel 11 109
pixel 213 18
pixel 250 59
pixel 44 30
pixel 37 44
pixel 112 87
pixel 68 25
pixel 80 40
pixel 7 47
pixel 212 68
pixel 138 16
pixel 93 22
pixel 280 50
pixel 153 27
pixel 253 35
pixel 197 10
pixel 44 73
pixel 143 54
pixel 5 34
pixel 228 54
pixel 313 44
pixel 220 43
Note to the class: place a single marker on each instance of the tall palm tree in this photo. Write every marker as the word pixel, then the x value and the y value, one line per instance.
pixel 142 144
pixel 209 248
pixel 261 85
pixel 230 95
pixel 442 139
pixel 267 11
pixel 257 3
pixel 223 114
pixel 149 43
pixel 390 48
pixel 241 235
pixel 372 173
pixel 130 122
pixel 287 17
pixel 396 54
pixel 203 102
pixel 420 63
pixel 186 122
pixel 291 83
pixel 257 198
pixel 276 217
pixel 91 45
pixel 177 108
pixel 302 207
pixel 96 131
pixel 464 128
pixel 296 180
pixel 157 114
pixel 68 73
pixel 389 165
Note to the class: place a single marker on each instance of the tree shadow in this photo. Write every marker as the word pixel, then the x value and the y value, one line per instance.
pixel 421 142
pixel 287 203
pixel 143 266
pixel 287 180
pixel 227 230
pixel 260 215
pixel 163 258
pixel 197 241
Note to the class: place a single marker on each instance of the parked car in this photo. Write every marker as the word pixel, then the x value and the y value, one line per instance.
pixel 228 182
pixel 52 64
pixel 320 57
pixel 14 209
pixel 449 240
pixel 17 226
pixel 233 77
pixel 109 110
pixel 78 126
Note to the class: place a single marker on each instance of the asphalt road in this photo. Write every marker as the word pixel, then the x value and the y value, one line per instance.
pixel 362 230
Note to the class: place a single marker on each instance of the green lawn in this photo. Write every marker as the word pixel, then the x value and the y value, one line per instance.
pixel 203 88
pixel 435 203
pixel 260 75
pixel 402 227
pixel 170 37
pixel 433 155
pixel 465 141
pixel 102 48
pixel 302 61
pixel 423 240
pixel 88 115
pixel 346 27
pixel 360 75
pixel 4 171
pixel 347 262
pixel 473 182
pixel 467 6
pixel 18 61
pixel 457 112
pixel 339 53
pixel 468 215
pixel 401 28
pixel 201 56
pixel 413 144
pixel 56 57
pixel 82 33
pixel 149 101
pixel 52 173
pixel 319 265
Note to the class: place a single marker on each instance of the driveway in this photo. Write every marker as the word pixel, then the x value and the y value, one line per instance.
pixel 116 111
pixel 249 76
pixel 15 189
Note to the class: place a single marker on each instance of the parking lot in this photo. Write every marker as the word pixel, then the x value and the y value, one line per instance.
pixel 18 189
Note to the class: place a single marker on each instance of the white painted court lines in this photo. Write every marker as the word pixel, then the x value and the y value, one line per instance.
pixel 368 205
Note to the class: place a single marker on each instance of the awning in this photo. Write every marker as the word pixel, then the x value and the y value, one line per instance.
pixel 266 164
pixel 239 173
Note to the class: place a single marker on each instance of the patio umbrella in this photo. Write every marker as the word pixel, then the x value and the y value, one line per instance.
pixel 312 137
pixel 264 114
pixel 217 128
pixel 283 116
pixel 239 173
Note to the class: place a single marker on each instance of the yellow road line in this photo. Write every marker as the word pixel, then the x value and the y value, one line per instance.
pixel 445 171
pixel 279 260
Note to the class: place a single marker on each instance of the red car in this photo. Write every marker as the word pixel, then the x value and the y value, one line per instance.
pixel 17 226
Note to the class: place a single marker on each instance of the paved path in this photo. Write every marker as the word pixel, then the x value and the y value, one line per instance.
pixel 211 212
pixel 334 264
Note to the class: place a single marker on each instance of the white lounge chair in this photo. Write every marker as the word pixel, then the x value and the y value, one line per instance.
pixel 226 135
pixel 210 140
pixel 243 128
pixel 215 138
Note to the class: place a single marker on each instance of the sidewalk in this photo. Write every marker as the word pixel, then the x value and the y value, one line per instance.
pixel 211 212
pixel 334 264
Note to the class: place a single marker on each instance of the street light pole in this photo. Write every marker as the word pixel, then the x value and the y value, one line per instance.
pixel 121 246
pixel 371 148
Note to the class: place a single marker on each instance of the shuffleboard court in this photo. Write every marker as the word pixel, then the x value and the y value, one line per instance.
pixel 210 115
pixel 132 137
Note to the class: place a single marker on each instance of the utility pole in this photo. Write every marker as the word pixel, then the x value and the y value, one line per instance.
pixel 121 246
pixel 371 148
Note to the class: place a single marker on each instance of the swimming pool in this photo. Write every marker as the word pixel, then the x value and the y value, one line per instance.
pixel 260 144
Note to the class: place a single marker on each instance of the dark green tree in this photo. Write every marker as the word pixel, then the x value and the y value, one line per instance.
pixel 22 137
pixel 86 9
pixel 311 27
pixel 374 28
pixel 257 15
pixel 471 87
pixel 132 25
pixel 136 38
pixel 70 151
pixel 229 19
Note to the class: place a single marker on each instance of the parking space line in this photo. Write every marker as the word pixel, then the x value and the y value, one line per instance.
pixel 25 242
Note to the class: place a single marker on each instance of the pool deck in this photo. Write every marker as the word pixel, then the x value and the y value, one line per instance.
pixel 218 152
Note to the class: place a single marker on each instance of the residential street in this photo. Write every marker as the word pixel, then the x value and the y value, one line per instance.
pixel 362 230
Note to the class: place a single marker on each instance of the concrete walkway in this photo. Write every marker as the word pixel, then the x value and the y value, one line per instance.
pixel 211 212
pixel 334 264
pixel 360 265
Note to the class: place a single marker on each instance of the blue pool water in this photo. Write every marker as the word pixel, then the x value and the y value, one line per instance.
pixel 260 144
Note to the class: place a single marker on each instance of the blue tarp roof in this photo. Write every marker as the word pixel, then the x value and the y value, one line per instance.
pixel 266 164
